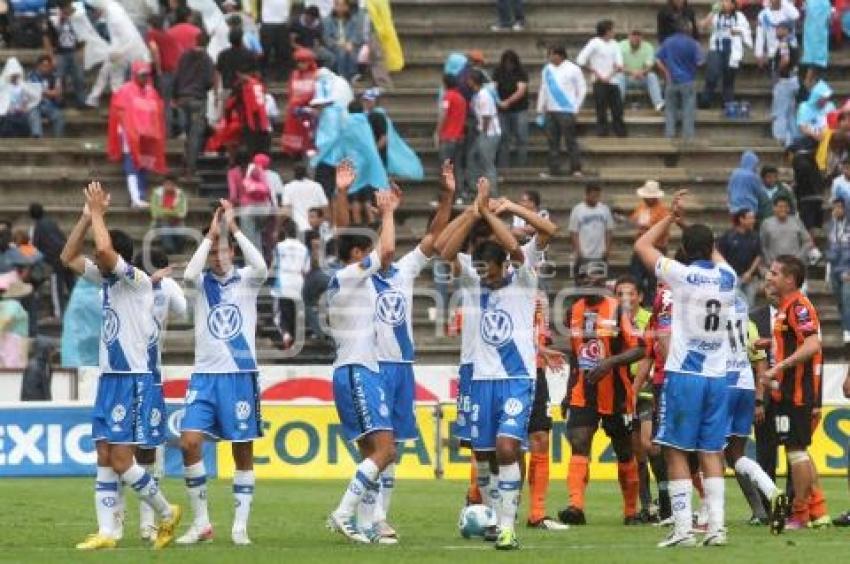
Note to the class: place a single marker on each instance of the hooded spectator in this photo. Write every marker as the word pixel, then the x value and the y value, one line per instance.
pixel 18 98
pixel 744 190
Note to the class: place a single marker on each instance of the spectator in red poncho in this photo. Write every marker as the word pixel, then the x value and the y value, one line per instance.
pixel 136 131
pixel 297 136
pixel 245 120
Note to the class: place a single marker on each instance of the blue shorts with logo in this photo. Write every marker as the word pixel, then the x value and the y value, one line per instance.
pixel 129 409
pixel 741 406
pixel 224 406
pixel 464 401
pixel 693 413
pixel 400 389
pixel 500 408
pixel 361 401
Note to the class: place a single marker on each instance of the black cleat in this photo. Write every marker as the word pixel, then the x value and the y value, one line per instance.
pixel 842 520
pixel 778 513
pixel 631 520
pixel 572 516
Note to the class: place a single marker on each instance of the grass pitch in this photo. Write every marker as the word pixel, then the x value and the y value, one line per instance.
pixel 42 519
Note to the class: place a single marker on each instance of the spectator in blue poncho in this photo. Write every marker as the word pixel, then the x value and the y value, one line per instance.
pixel 745 188
pixel 81 326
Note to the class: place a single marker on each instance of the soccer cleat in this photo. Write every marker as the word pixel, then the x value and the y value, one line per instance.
pixel 165 531
pixel 687 540
pixel 794 524
pixel 491 534
pixel 196 534
pixel 778 512
pixel 630 520
pixel 347 528
pixel 375 537
pixel 240 537
pixel 754 521
pixel 842 520
pixel 386 531
pixel 547 524
pixel 572 516
pixel 507 540
pixel 97 542
pixel 715 539
pixel 822 522
pixel 667 522
pixel 148 533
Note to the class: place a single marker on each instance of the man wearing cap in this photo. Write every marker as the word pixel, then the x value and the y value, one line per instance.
pixel 638 62
pixel 649 211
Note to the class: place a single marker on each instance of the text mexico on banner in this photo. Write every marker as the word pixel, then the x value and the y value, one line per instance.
pixel 307 442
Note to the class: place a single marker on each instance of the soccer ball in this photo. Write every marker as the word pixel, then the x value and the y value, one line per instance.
pixel 474 519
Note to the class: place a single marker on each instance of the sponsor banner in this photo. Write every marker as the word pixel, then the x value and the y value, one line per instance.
pixel 306 442
pixel 54 439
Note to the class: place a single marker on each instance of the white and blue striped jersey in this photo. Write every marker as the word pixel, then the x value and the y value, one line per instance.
pixel 351 313
pixel 704 299
pixel 393 307
pixel 742 335
pixel 504 337
pixel 226 312
pixel 167 298
pixel 124 333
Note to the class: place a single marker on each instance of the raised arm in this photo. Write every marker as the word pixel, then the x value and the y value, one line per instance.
pixel 545 228
pixel 97 201
pixel 253 257
pixel 444 210
pixel 345 175
pixel 645 246
pixel 500 231
pixel 450 241
pixel 199 258
pixel 387 202
pixel 72 254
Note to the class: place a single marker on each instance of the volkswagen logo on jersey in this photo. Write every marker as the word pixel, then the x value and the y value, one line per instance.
pixel 224 321
pixel 590 354
pixel 111 325
pixel 496 327
pixel 513 407
pixel 392 307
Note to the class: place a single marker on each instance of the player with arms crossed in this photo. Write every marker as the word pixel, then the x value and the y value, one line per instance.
pixel 223 398
pixel 126 392
pixel 359 395
pixel 795 381
pixel 603 344
pixel 693 400
pixel 504 359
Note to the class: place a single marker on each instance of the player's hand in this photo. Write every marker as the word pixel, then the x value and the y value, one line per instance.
pixel 345 175
pixel 503 205
pixel 597 373
pixel 483 199
pixel 160 274
pixel 214 224
pixel 770 374
pixel 397 192
pixel 97 200
pixel 448 174
pixel 678 207
pixel 228 214
pixel 758 416
pixel 763 344
pixel 387 201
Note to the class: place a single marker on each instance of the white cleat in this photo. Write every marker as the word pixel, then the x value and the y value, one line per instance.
pixel 346 527
pixel 673 540
pixel 240 537
pixel 715 539
pixel 381 533
pixel 196 534
pixel 148 533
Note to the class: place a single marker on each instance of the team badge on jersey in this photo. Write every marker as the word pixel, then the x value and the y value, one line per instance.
pixel 243 410
pixel 590 354
pixel 512 407
pixel 111 325
pixel 804 318
pixel 496 327
pixel 156 417
pixel 392 307
pixel 224 321
pixel 119 412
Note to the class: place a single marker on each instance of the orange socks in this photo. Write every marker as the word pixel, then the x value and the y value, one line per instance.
pixel 627 473
pixel 817 503
pixel 800 511
pixel 577 477
pixel 538 485
pixel 473 494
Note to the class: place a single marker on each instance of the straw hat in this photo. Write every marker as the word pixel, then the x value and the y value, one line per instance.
pixel 650 190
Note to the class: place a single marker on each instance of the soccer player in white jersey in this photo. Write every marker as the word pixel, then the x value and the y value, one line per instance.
pixel 742 334
pixel 693 400
pixel 122 417
pixel 360 399
pixel 168 299
pixel 223 398
pixel 395 347
pixel 504 358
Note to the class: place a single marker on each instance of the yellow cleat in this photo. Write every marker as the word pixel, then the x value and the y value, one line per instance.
pixel 165 531
pixel 96 542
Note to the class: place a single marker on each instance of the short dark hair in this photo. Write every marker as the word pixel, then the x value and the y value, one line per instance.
pixel 288 228
pixel 235 37
pixel 156 21
pixel 534 196
pixel 449 81
pixel 477 76
pixel 156 255
pixel 627 279
pixel 592 187
pixel 768 169
pixel 558 49
pixel 202 40
pixel 122 243
pixel 480 231
pixel 44 57
pixel 683 25
pixel 347 242
pixel 603 27
pixel 489 251
pixel 355 107
pixel 318 211
pixel 36 211
pixel 698 242
pixel 182 14
pixel 313 11
pixel 792 266
pixel 782 198
pixel 740 214
pixel 170 177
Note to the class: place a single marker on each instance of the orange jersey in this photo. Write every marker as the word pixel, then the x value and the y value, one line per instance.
pixel 795 320
pixel 599 331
